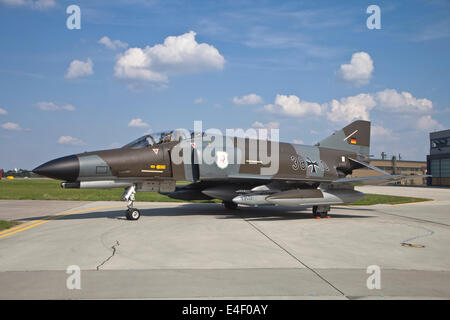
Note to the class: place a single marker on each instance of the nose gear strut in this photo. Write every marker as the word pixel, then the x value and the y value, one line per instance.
pixel 128 195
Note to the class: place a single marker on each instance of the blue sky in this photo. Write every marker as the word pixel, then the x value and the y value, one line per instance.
pixel 307 67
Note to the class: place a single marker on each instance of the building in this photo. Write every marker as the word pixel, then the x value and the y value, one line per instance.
pixel 394 166
pixel 438 162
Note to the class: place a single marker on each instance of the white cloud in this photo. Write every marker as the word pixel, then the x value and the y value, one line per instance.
pixel 199 100
pixel 112 44
pixel 135 64
pixel 359 70
pixel 50 106
pixel 380 131
pixel 42 4
pixel 35 4
pixel 297 141
pixel 138 123
pixel 426 123
pixel 248 99
pixel 401 102
pixel 70 141
pixel 79 69
pixel 178 54
pixel 3 111
pixel 293 106
pixel 12 126
pixel 351 108
pixel 268 125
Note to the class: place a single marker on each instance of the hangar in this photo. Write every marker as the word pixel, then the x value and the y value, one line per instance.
pixel 438 162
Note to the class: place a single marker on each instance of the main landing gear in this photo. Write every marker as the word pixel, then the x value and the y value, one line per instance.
pixel 230 205
pixel 321 211
pixel 128 195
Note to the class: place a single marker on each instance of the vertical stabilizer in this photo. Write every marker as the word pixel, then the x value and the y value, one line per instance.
pixel 355 138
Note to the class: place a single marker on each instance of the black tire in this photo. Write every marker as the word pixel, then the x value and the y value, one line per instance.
pixel 314 211
pixel 229 205
pixel 324 214
pixel 133 214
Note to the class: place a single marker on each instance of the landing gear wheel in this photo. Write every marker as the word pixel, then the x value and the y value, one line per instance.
pixel 314 212
pixel 320 211
pixel 128 195
pixel 133 214
pixel 230 205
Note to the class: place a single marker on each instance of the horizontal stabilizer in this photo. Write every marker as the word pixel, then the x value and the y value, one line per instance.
pixel 370 166
pixel 378 180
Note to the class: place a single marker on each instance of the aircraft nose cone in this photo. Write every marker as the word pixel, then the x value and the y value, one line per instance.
pixel 65 168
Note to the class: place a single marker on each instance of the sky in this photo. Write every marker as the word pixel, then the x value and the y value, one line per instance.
pixel 137 66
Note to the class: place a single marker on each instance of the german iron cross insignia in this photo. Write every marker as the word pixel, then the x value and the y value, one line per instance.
pixel 312 164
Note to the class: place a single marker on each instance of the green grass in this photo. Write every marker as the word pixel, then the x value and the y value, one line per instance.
pixel 46 189
pixel 370 199
pixel 7 224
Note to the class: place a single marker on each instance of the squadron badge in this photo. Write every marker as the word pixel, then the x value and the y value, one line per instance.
pixel 222 159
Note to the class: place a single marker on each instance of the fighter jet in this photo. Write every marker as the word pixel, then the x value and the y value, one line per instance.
pixel 316 176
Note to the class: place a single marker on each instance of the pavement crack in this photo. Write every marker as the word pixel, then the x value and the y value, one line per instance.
pixel 114 248
pixel 294 257
pixel 407 242
pixel 415 219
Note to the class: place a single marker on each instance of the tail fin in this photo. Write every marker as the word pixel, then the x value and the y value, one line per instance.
pixel 355 138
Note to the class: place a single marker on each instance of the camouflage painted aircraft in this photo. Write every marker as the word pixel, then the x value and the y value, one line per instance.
pixel 304 176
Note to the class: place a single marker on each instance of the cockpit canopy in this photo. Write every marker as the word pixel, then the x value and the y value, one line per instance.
pixel 154 139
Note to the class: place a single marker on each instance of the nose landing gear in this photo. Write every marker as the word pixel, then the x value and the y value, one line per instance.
pixel 132 214
pixel 128 195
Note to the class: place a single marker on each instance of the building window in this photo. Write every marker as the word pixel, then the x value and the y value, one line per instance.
pixel 435 170
pixel 440 143
pixel 445 168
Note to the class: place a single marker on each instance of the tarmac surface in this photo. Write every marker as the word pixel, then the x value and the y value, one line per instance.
pixel 190 251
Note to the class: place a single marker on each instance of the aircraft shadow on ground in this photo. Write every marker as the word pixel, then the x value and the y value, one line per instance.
pixel 193 209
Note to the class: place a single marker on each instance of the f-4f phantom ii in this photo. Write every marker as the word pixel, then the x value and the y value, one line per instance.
pixel 237 172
